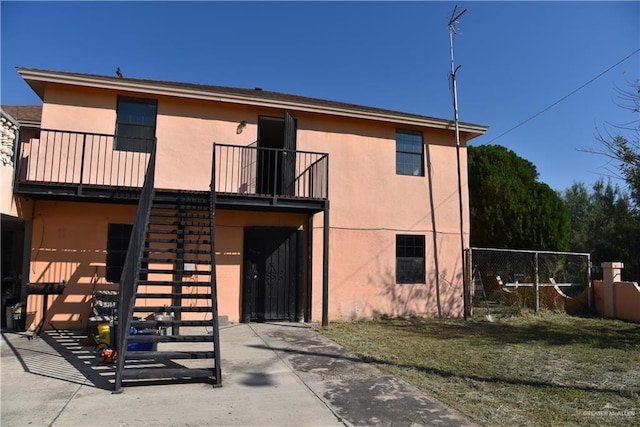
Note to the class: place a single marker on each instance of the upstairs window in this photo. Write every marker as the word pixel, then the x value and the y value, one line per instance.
pixel 409 153
pixel 410 261
pixel 135 124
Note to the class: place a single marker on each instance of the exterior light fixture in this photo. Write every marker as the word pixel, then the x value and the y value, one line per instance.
pixel 241 126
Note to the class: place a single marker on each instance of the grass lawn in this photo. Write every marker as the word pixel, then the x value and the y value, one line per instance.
pixel 529 370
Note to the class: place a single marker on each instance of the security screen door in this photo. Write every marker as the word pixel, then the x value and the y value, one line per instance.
pixel 273 264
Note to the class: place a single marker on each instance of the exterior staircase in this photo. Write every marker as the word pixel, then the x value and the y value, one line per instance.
pixel 174 324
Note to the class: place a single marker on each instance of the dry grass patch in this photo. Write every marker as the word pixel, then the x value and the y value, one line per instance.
pixel 529 370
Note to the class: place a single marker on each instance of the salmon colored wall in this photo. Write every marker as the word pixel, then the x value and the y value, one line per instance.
pixel 362 276
pixel 370 204
pixel 186 131
pixel 230 252
pixel 627 305
pixel 69 243
pixel 7 203
pixel 80 110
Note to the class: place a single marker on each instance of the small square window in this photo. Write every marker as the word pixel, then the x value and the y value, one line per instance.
pixel 410 259
pixel 409 157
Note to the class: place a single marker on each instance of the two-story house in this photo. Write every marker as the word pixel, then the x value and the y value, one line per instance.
pixel 314 209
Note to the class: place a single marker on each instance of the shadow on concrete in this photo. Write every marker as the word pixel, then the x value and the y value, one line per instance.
pixel 60 355
pixel 65 355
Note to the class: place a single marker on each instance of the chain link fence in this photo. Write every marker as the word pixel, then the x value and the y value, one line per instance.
pixel 528 278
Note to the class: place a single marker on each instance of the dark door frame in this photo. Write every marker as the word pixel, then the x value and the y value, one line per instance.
pixel 276 167
pixel 273 285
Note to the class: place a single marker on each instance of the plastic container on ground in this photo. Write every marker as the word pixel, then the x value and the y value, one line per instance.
pixel 142 346
pixel 104 334
pixel 164 317
pixel 19 312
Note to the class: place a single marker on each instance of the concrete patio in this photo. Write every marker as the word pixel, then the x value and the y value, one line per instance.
pixel 274 374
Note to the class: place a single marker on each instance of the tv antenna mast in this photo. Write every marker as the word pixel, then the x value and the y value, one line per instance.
pixel 455 15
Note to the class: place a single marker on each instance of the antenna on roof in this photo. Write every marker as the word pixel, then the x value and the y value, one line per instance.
pixel 454 19
pixel 455 15
pixel 118 72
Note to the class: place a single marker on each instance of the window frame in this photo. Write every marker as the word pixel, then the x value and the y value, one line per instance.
pixel 415 245
pixel 404 152
pixel 133 143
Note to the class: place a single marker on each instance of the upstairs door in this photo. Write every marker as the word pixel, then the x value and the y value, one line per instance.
pixel 289 156
pixel 277 165
pixel 273 274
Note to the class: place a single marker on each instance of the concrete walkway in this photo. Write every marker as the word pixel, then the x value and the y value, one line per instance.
pixel 281 374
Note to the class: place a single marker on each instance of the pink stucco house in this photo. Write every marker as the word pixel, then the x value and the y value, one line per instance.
pixel 314 209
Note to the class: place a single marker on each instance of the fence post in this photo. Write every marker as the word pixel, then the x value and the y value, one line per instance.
pixel 537 282
pixel 468 289
pixel 589 284
pixel 611 273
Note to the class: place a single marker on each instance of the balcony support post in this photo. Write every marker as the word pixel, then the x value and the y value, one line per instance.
pixel 325 268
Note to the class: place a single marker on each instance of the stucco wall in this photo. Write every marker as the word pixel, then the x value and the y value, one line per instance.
pixel 627 301
pixel 69 243
pixel 230 252
pixel 623 301
pixel 8 132
pixel 370 204
pixel 7 203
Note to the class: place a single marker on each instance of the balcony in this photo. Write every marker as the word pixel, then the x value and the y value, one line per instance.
pixel 55 163
pixel 255 177
pixel 63 163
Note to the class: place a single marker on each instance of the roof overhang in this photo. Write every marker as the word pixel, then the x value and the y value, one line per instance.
pixel 37 80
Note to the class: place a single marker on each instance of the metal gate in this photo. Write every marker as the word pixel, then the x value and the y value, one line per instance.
pixel 529 271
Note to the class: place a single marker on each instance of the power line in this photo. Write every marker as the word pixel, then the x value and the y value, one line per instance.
pixel 566 96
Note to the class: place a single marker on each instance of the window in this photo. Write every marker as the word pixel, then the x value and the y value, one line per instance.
pixel 410 263
pixel 135 124
pixel 409 153
pixel 117 243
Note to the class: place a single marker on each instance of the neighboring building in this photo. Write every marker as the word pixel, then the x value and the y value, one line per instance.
pixel 321 207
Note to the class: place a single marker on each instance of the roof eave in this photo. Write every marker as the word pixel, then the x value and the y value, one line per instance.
pixel 37 79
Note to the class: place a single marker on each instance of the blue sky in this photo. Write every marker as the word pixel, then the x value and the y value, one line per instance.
pixel 516 58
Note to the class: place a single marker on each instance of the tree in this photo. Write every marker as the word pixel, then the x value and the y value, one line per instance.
pixel 625 149
pixel 509 207
pixel 605 224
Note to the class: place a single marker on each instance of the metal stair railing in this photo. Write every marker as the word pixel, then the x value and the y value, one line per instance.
pixel 131 270
pixel 213 276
